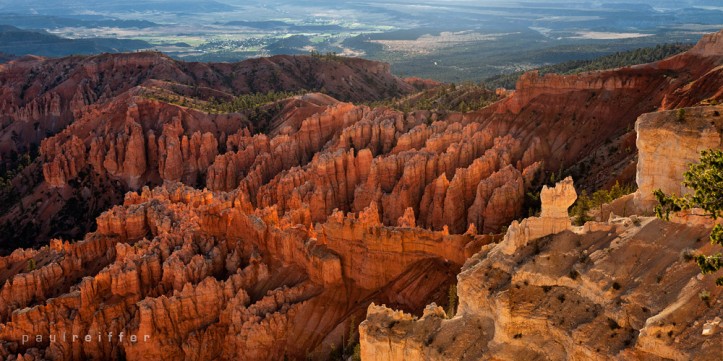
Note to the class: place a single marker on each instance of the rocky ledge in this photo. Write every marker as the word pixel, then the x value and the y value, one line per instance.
pixel 618 289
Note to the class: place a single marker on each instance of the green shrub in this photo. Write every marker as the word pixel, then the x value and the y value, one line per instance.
pixel 705 178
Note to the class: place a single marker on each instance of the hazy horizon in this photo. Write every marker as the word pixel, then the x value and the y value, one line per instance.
pixel 452 40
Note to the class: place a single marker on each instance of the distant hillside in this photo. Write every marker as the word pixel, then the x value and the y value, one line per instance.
pixel 271 24
pixel 25 21
pixel 4 58
pixel 62 7
pixel 616 60
pixel 23 42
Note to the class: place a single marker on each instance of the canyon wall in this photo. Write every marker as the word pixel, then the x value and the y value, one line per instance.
pixel 204 279
pixel 102 125
pixel 668 142
pixel 43 96
pixel 300 227
pixel 606 290
pixel 113 123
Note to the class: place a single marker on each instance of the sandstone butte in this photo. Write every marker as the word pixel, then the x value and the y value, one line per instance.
pixel 335 206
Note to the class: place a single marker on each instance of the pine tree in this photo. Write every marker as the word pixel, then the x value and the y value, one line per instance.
pixel 452 305
pixel 580 209
pixel 706 180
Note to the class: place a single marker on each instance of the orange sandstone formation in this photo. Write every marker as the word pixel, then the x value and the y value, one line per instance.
pixel 102 130
pixel 618 289
pixel 256 238
pixel 206 279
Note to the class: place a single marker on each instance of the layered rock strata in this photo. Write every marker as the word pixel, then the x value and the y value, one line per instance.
pixel 110 123
pixel 614 290
pixel 620 289
pixel 205 279
pixel 336 206
pixel 668 142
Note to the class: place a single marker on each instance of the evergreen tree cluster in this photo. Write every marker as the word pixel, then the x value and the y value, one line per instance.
pixel 246 102
pixel 585 203
pixel 241 103
pixel 13 167
pixel 326 56
pixel 465 97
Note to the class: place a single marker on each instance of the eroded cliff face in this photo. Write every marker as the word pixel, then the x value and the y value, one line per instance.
pixel 332 207
pixel 668 142
pixel 39 96
pixel 614 290
pixel 593 114
pixel 619 289
pixel 205 279
pixel 107 124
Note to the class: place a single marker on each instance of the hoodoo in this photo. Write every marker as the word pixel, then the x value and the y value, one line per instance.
pixel 268 232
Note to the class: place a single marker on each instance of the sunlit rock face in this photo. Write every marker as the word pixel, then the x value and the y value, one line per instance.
pixel 668 142
pixel 111 123
pixel 618 289
pixel 243 240
pixel 612 290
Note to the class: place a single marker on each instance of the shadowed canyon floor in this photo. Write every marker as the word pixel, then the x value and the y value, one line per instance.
pixel 266 233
